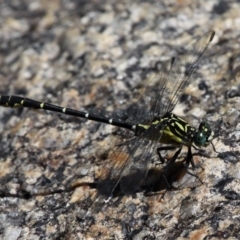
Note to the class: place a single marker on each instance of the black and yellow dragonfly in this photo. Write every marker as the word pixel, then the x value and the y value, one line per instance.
pixel 151 124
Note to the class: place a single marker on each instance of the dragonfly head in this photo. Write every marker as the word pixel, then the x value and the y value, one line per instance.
pixel 204 135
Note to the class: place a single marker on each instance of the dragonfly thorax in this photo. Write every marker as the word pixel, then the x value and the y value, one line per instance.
pixel 172 129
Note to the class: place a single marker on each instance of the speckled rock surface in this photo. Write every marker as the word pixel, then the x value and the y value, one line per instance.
pixel 93 55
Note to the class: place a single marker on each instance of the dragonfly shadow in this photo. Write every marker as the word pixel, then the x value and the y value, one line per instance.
pixel 158 179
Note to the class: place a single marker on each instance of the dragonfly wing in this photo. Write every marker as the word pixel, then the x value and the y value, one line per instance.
pixel 128 163
pixel 144 107
pixel 163 90
pixel 134 175
pixel 181 69
pixel 179 75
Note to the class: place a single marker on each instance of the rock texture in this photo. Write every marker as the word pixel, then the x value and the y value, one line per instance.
pixel 95 56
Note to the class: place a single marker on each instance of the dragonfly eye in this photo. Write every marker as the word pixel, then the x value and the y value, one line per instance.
pixel 204 135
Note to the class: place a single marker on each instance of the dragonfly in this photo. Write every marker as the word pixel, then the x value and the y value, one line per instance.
pixel 152 124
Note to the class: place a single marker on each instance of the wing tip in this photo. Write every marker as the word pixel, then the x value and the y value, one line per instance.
pixel 212 35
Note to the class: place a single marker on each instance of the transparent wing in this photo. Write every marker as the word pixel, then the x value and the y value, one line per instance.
pixel 130 158
pixel 181 70
pixel 134 174
pixel 143 110
pixel 162 91
pixel 127 167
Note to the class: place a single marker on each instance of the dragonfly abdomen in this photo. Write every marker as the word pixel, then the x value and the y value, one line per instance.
pixel 17 101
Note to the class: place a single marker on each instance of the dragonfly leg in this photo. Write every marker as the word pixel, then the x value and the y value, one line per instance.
pixel 169 164
pixel 164 149
pixel 189 159
pixel 196 176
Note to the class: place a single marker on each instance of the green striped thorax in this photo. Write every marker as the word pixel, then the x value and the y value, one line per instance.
pixel 176 131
